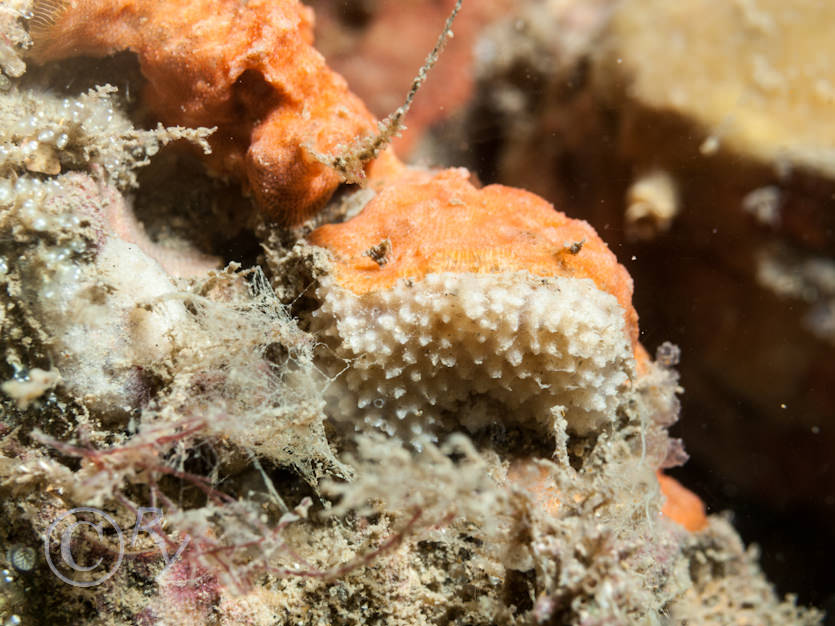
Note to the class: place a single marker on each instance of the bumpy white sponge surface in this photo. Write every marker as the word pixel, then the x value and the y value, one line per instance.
pixel 465 349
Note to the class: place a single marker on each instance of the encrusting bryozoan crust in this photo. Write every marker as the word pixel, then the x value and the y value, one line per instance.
pixel 477 347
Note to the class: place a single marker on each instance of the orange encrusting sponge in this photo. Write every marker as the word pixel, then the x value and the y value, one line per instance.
pixel 682 505
pixel 248 68
pixel 433 222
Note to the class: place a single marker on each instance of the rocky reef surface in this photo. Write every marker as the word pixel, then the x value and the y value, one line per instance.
pixel 259 371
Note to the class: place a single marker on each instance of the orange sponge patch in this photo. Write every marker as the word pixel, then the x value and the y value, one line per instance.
pixel 682 506
pixel 248 68
pixel 429 223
